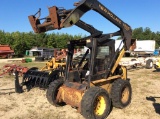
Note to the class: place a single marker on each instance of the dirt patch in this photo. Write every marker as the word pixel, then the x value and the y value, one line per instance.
pixel 30 105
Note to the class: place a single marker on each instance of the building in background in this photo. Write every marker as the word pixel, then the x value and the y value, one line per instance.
pixel 6 51
pixel 46 53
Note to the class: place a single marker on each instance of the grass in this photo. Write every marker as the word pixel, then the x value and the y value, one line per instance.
pixel 34 64
pixel 29 65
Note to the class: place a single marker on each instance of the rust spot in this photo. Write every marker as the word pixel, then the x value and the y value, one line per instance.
pixel 54 17
pixel 34 22
pixel 70 95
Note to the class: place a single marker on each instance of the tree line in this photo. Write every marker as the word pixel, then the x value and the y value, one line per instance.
pixel 22 41
pixel 146 34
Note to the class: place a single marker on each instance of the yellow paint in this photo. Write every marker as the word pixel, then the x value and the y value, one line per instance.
pixel 124 75
pixel 52 64
pixel 158 64
pixel 118 60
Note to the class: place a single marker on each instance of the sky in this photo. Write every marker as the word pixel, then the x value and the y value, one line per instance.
pixel 137 13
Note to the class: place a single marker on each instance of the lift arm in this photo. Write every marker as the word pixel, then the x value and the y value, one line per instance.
pixel 60 18
pixel 86 5
pixel 51 24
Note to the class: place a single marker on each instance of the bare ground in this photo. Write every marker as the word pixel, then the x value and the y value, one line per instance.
pixel 34 105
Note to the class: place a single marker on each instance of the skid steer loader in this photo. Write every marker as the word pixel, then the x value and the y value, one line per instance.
pixel 101 81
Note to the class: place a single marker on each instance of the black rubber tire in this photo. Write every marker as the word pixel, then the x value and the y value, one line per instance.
pixel 52 92
pixel 133 60
pixel 127 54
pixel 117 90
pixel 90 99
pixel 149 64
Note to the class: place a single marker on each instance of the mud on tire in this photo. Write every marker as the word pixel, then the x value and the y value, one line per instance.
pixel 121 93
pixel 95 103
pixel 52 92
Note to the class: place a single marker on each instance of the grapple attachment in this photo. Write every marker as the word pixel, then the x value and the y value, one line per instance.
pixel 34 78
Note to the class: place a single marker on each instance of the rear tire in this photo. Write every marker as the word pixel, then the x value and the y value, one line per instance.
pixel 95 103
pixel 52 92
pixel 121 93
pixel 149 64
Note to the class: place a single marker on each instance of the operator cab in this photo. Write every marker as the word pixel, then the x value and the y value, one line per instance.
pixel 93 64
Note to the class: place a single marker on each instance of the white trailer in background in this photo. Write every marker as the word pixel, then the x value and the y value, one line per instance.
pixel 145 47
pixel 140 47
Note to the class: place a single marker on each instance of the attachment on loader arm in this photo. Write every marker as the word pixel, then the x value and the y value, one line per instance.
pixel 61 18
pixel 98 78
pixel 34 77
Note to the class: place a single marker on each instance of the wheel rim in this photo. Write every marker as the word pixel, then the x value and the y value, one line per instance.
pixel 100 105
pixel 125 95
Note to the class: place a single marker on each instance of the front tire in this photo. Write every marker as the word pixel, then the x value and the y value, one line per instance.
pixel 121 93
pixel 52 92
pixel 95 103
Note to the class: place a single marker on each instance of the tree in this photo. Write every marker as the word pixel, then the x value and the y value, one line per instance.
pixel 137 33
pixel 22 41
pixel 146 34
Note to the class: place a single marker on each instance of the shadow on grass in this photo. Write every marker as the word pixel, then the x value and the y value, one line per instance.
pixel 7 91
pixel 135 68
pixel 158 70
pixel 155 105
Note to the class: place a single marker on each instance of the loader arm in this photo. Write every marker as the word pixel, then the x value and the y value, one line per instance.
pixel 61 18
pixel 86 5
pixel 54 24
pixel 88 28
